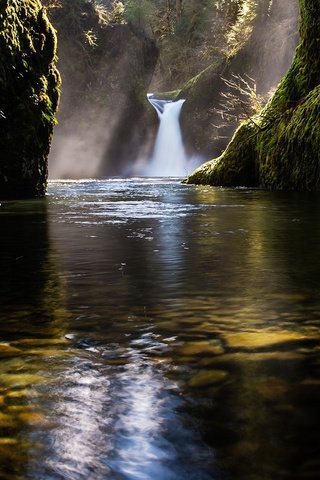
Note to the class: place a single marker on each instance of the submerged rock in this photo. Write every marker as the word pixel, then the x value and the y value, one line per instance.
pixel 206 378
pixel 29 94
pixel 262 339
pixel 7 350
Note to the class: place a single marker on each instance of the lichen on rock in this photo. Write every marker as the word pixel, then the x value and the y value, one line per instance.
pixel 29 95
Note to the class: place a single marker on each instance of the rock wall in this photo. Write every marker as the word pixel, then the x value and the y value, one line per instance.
pixel 29 95
pixel 280 148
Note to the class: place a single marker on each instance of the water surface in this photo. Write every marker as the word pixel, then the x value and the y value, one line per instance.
pixel 152 330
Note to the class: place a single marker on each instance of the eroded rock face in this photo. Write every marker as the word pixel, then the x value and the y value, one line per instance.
pixel 29 95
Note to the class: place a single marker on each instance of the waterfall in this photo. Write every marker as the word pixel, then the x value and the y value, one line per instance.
pixel 169 158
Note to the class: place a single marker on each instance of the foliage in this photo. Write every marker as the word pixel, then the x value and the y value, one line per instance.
pixel 240 100
pixel 79 19
pixel 242 28
pixel 117 13
pixel 141 14
pixel 191 34
pixel 188 33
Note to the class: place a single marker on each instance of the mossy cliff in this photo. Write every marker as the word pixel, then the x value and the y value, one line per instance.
pixel 29 94
pixel 280 148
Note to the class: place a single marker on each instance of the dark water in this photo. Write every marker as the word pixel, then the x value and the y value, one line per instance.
pixel 151 330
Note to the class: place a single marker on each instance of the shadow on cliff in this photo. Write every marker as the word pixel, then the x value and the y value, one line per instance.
pixel 104 115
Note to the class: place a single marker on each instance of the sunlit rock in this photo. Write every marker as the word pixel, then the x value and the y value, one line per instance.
pixel 261 339
pixel 20 379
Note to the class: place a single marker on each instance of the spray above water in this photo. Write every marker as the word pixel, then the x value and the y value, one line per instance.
pixel 169 157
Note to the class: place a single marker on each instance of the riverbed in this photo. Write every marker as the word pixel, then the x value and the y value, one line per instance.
pixel 153 330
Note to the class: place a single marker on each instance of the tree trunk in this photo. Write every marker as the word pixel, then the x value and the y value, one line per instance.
pixel 281 148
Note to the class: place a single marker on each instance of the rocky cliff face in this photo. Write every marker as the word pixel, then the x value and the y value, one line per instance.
pixel 263 52
pixel 280 148
pixel 104 115
pixel 29 94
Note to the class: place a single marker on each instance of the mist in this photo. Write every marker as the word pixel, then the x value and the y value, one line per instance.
pixel 277 37
pixel 78 149
pixel 102 117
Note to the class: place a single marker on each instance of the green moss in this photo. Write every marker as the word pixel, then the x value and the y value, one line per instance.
pixel 29 95
pixel 172 95
pixel 281 150
pixel 289 155
pixel 240 167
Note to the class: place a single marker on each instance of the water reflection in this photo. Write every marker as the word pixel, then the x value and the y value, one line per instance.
pixel 173 333
pixel 117 416
pixel 31 333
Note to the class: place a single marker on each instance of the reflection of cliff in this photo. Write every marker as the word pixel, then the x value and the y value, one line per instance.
pixel 31 290
pixel 102 121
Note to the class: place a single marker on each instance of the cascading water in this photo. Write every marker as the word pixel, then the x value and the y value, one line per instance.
pixel 169 158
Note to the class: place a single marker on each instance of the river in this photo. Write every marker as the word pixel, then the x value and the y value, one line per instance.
pixel 156 331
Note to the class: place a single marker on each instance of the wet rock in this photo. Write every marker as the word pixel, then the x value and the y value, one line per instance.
pixel 7 350
pixel 272 389
pixel 261 339
pixel 6 421
pixel 18 394
pixel 207 378
pixel 40 342
pixel 20 379
pixel 8 441
pixel 48 352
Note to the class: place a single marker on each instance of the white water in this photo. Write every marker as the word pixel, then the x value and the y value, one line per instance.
pixel 169 158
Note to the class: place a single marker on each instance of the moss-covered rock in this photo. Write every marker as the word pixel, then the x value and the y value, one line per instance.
pixel 29 94
pixel 280 148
